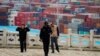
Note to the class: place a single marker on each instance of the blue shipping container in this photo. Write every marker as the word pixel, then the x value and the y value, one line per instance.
pixel 4 22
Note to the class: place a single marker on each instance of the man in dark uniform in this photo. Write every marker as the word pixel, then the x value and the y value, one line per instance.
pixel 22 36
pixel 45 37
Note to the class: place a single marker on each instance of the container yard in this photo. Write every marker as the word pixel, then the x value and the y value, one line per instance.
pixel 78 22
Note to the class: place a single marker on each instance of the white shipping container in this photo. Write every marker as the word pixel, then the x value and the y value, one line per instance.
pixel 73 0
pixel 77 21
pixel 64 1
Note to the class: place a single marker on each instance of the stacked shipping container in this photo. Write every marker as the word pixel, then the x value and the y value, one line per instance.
pixel 38 11
pixel 4 15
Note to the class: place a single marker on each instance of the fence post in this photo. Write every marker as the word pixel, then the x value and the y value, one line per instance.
pixel 91 39
pixel 80 42
pixel 5 38
pixel 69 39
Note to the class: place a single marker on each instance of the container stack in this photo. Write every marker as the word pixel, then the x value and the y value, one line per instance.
pixel 27 18
pixel 73 13
pixel 4 15
pixel 95 10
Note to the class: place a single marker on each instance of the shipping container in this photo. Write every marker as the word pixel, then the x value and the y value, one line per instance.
pixel 41 23
pixel 73 26
pixel 3 14
pixel 95 9
pixel 63 1
pixel 3 22
pixel 4 8
pixel 97 25
pixel 68 17
pixel 3 17
pixel 75 3
pixel 82 15
pixel 96 20
pixel 77 21
pixel 83 28
pixel 37 1
pixel 89 24
pixel 65 30
pixel 21 14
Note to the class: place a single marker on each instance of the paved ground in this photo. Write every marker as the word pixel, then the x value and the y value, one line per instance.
pixel 39 52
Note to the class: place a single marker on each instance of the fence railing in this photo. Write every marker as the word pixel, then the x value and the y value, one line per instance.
pixel 67 41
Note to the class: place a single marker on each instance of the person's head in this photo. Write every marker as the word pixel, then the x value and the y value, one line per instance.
pixel 45 23
pixel 52 24
pixel 22 25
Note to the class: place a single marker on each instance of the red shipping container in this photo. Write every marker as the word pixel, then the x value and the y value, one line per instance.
pixel 89 24
pixel 95 9
pixel 20 21
pixel 31 19
pixel 31 14
pixel 17 23
pixel 38 27
pixel 17 18
pixel 96 20
pixel 50 10
pixel 41 23
pixel 28 14
pixel 81 16
pixel 37 1
pixel 84 2
pixel 3 10
pixel 47 1
pixel 20 14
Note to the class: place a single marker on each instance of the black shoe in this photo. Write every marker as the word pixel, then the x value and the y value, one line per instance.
pixel 25 50
pixel 52 52
pixel 46 55
pixel 58 51
pixel 21 51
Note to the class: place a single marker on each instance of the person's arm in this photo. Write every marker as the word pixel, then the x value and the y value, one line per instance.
pixel 17 29
pixel 50 30
pixel 28 29
pixel 40 34
pixel 57 31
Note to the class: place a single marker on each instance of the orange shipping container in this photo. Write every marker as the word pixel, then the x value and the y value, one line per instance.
pixel 65 29
pixel 97 25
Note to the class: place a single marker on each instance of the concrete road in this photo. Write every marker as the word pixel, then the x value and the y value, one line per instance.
pixel 39 52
